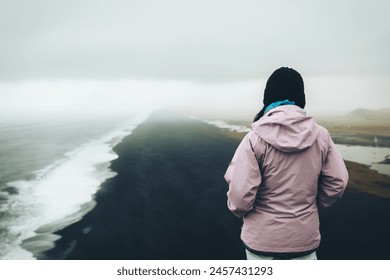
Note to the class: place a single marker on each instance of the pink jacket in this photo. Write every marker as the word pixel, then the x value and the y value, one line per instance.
pixel 281 171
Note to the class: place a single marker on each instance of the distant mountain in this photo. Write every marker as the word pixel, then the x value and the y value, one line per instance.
pixel 362 114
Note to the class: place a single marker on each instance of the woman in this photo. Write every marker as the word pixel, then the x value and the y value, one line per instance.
pixel 281 172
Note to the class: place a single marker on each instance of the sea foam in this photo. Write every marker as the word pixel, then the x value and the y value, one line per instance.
pixel 60 194
pixel 230 127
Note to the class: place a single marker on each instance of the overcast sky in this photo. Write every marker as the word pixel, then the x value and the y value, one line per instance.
pixel 341 48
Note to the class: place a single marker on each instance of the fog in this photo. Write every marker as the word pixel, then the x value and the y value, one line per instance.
pixel 97 58
pixel 238 99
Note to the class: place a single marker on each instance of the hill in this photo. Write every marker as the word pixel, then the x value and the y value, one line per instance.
pixel 360 127
pixel 362 114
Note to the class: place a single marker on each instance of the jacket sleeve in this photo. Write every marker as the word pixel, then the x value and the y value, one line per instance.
pixel 244 177
pixel 333 178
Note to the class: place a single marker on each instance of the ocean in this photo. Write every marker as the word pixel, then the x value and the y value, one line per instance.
pixel 49 173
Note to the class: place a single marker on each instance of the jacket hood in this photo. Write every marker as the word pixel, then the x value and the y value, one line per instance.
pixel 287 128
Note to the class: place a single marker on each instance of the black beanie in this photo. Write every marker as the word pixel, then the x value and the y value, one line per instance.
pixel 284 83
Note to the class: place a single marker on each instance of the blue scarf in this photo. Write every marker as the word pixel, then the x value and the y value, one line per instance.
pixel 277 104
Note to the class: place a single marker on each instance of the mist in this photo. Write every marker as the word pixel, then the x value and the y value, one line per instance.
pixel 102 58
pixel 82 163
pixel 228 100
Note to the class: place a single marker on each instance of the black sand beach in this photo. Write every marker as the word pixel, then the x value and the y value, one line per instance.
pixel 168 201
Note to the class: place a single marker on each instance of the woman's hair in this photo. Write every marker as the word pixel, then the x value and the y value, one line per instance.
pixel 284 83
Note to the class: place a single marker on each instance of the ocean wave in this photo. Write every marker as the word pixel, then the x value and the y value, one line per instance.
pixel 60 194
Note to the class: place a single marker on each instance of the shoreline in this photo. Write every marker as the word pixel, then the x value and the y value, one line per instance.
pixel 168 201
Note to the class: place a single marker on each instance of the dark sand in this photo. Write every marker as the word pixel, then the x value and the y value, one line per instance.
pixel 168 201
